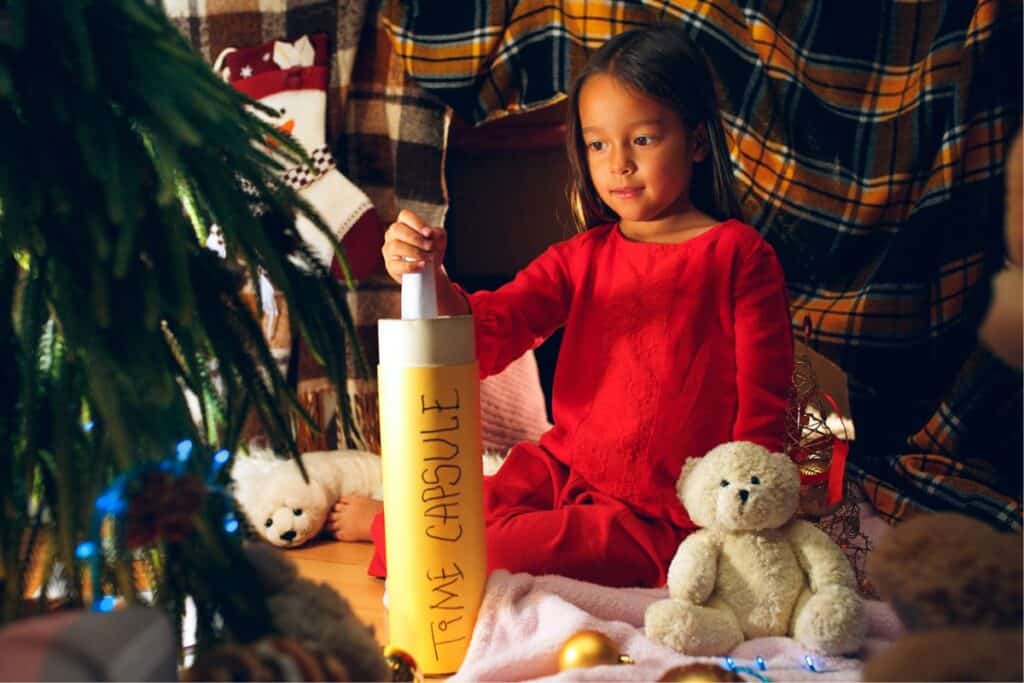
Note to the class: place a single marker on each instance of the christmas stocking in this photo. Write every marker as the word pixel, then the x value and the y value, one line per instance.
pixel 291 79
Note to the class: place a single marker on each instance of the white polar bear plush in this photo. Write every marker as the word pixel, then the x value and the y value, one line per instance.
pixel 284 508
pixel 288 511
pixel 753 570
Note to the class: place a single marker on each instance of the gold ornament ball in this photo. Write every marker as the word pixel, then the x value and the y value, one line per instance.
pixel 589 648
pixel 699 673
pixel 401 664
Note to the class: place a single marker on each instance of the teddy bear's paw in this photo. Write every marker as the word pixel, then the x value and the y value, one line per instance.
pixel 832 621
pixel 692 629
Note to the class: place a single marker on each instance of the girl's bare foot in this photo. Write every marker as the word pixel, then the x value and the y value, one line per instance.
pixel 351 517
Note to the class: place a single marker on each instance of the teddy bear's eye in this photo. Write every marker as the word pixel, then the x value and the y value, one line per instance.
pixel 755 480
pixel 297 511
pixel 269 523
pixel 724 483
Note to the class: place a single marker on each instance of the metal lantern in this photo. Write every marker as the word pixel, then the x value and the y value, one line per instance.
pixel 810 442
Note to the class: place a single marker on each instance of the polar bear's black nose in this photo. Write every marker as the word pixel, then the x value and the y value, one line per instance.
pixel 290 534
pixel 744 494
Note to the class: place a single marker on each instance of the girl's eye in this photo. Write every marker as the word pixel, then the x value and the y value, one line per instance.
pixel 724 483
pixel 596 145
pixel 643 140
pixel 297 511
pixel 755 480
pixel 269 523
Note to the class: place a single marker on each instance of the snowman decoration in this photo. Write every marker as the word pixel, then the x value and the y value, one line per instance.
pixel 291 79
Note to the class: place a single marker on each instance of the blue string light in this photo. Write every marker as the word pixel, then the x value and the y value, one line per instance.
pixel 85 550
pixel 730 664
pixel 110 502
pixel 184 450
pixel 811 664
pixel 220 458
pixel 106 604
pixel 758 676
pixel 87 427
pixel 230 523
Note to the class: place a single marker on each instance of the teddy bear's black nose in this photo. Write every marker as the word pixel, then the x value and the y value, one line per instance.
pixel 290 534
pixel 744 494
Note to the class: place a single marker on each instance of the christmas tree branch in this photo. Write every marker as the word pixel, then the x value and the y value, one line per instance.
pixel 119 148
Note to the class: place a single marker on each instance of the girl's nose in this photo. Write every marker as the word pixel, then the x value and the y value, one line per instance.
pixel 621 163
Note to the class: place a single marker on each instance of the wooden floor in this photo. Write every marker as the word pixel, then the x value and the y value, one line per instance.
pixel 340 565
pixel 343 567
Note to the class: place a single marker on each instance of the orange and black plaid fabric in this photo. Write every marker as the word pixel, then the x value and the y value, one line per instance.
pixel 869 144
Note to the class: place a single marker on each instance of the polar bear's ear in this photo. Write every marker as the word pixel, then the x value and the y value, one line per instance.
pixel 250 466
pixel 242 467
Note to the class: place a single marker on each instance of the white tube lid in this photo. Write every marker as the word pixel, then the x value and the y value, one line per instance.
pixel 430 342
pixel 419 294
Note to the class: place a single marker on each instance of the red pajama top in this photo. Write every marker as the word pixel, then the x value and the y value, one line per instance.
pixel 668 350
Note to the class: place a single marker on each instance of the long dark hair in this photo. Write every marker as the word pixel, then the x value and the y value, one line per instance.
pixel 661 62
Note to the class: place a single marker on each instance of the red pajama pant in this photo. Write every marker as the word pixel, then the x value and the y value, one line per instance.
pixel 542 519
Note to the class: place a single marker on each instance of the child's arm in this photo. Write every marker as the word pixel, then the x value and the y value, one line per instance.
pixel 508 321
pixel 764 348
pixel 522 313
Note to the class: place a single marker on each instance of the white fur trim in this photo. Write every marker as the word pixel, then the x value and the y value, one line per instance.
pixel 299 53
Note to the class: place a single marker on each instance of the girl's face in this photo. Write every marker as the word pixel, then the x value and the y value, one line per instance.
pixel 640 155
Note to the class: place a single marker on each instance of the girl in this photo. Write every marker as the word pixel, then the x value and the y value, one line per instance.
pixel 677 333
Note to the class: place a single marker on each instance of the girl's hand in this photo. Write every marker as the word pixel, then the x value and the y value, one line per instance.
pixel 409 244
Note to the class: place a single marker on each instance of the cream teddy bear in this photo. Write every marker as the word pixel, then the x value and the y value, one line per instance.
pixel 753 570
pixel 286 509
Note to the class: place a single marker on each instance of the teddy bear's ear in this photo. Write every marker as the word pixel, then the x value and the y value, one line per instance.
pixel 688 467
pixel 788 460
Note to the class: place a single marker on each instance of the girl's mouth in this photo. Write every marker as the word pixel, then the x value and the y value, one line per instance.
pixel 626 192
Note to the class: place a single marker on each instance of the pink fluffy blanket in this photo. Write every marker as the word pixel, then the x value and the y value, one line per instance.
pixel 524 620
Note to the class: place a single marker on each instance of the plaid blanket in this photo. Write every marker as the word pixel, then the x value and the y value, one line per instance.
pixel 869 145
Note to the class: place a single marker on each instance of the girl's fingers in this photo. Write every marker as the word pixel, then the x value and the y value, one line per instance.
pixel 400 232
pixel 401 266
pixel 414 222
pixel 395 251
pixel 409 244
pixel 439 237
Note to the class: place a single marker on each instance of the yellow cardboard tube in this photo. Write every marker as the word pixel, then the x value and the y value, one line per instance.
pixel 431 452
